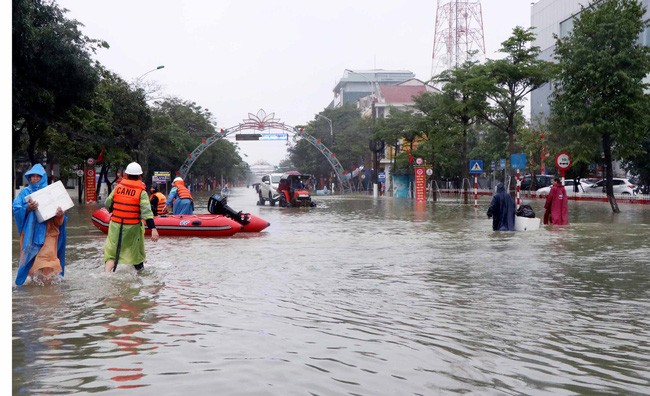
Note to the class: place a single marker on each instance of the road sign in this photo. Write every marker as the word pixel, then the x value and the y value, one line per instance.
pixel 518 161
pixel 475 167
pixel 429 171
pixel 420 184
pixel 419 161
pixel 563 161
pixel 492 165
pixel 381 176
pixel 502 163
pixel 274 136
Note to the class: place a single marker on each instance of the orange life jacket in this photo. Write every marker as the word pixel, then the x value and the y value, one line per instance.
pixel 183 192
pixel 126 202
pixel 162 206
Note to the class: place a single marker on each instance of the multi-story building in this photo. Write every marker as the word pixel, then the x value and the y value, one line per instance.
pixel 356 84
pixel 552 18
pixel 381 101
pixel 397 96
pixel 555 18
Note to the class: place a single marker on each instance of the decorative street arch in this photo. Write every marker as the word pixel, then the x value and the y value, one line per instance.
pixel 260 122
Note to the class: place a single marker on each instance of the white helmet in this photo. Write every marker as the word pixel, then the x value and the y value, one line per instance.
pixel 177 180
pixel 133 169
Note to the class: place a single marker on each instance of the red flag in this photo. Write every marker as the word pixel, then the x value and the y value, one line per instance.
pixel 100 157
pixel 411 158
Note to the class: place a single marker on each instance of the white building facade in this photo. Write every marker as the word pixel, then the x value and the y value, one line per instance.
pixel 555 17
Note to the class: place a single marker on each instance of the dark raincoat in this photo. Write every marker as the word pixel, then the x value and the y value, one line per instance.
pixel 502 210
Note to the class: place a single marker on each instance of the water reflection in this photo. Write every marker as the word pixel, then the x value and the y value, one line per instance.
pixel 356 296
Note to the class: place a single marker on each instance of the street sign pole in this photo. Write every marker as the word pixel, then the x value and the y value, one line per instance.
pixel 518 195
pixel 563 162
pixel 475 191
pixel 475 168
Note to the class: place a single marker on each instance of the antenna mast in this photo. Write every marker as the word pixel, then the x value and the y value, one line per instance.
pixel 459 31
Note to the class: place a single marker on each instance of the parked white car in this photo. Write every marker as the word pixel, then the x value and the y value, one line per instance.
pixel 620 185
pixel 569 186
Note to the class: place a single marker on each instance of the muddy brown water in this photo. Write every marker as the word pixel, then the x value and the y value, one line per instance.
pixel 357 296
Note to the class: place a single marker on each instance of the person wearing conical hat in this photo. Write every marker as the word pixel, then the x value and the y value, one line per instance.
pixel 129 205
pixel 180 198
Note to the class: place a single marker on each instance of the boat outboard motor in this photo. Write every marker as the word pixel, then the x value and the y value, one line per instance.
pixel 217 204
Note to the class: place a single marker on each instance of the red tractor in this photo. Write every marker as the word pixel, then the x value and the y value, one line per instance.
pixel 294 191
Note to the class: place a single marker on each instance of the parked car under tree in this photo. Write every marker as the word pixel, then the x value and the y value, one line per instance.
pixel 620 186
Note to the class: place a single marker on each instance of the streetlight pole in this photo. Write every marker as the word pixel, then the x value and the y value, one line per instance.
pixel 137 80
pixel 375 181
pixel 331 129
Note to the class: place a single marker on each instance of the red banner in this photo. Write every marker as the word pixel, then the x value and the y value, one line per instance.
pixel 420 184
pixel 91 188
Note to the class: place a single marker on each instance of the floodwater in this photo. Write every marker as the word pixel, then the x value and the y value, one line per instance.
pixel 357 296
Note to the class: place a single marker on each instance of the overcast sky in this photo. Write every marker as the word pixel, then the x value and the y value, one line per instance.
pixel 285 56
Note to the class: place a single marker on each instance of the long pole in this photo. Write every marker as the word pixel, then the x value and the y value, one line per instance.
pixel 331 129
pixel 137 80
pixel 518 190
pixel 475 192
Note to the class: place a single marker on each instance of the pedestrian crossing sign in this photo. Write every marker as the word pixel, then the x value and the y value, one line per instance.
pixel 475 167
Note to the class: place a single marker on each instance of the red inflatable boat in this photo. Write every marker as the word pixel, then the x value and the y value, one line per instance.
pixel 201 225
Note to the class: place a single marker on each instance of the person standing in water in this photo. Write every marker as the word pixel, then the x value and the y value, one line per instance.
pixel 180 198
pixel 158 201
pixel 42 245
pixel 502 210
pixel 557 203
pixel 129 205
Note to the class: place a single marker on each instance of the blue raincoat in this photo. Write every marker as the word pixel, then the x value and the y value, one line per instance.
pixel 502 210
pixel 32 231
pixel 178 205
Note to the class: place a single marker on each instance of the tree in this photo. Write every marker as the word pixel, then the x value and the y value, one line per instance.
pixel 506 82
pixel 600 98
pixel 179 126
pixel 399 127
pixel 452 116
pixel 52 71
pixel 351 136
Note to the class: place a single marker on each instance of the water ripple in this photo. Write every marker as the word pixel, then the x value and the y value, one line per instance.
pixel 357 296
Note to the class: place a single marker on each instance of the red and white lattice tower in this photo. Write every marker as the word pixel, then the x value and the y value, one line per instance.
pixel 459 32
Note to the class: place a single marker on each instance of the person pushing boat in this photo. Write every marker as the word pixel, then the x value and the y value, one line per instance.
pixel 129 205
pixel 180 198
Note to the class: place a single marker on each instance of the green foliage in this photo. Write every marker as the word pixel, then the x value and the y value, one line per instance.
pixel 180 126
pixel 351 135
pixel 505 83
pixel 400 127
pixel 451 119
pixel 52 71
pixel 600 97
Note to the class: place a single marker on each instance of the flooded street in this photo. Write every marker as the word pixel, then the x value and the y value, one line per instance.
pixel 357 296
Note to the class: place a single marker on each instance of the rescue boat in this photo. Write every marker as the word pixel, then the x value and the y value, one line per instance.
pixel 218 205
pixel 200 225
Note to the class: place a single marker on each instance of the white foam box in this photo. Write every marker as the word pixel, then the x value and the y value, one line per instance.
pixel 526 223
pixel 49 198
